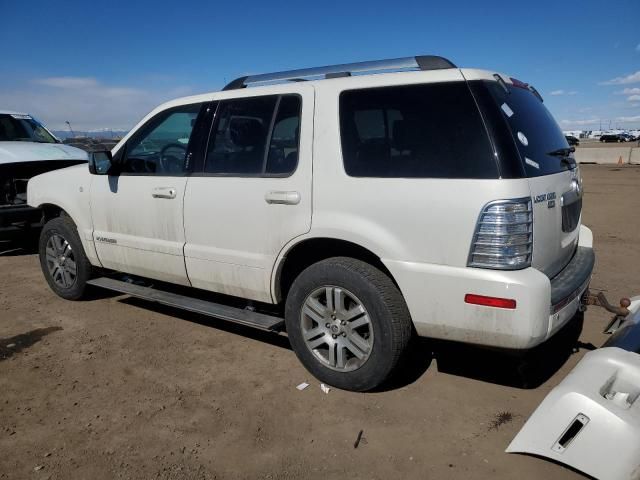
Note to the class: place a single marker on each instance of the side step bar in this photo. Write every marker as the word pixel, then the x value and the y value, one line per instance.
pixel 204 307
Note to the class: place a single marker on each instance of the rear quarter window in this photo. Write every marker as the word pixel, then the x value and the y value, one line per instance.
pixel 414 131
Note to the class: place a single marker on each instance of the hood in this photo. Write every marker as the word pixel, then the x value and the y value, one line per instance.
pixel 14 152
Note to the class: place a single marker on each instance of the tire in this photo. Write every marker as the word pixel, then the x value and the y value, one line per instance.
pixel 60 249
pixel 334 352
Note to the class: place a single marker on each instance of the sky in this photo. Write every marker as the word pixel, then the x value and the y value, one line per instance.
pixel 105 64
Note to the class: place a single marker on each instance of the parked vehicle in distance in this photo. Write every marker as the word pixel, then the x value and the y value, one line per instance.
pixel 27 149
pixel 341 207
pixel 628 137
pixel 612 137
pixel 572 141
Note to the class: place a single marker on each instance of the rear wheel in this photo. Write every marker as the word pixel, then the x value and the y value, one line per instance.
pixel 347 323
pixel 62 259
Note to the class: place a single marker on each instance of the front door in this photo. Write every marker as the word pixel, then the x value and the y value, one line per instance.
pixel 252 194
pixel 137 214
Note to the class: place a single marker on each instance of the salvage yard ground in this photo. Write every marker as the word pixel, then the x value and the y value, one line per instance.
pixel 119 388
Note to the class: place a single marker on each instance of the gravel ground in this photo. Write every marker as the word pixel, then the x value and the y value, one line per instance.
pixel 119 388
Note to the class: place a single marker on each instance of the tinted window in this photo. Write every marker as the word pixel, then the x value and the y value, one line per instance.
pixel 415 131
pixel 283 149
pixel 160 146
pixel 255 136
pixel 533 128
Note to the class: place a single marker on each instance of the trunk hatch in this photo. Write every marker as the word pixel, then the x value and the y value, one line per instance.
pixel 554 177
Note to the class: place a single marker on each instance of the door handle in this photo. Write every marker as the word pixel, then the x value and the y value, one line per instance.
pixel 282 198
pixel 163 192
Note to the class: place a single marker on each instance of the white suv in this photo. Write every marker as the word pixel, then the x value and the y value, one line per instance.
pixel 354 205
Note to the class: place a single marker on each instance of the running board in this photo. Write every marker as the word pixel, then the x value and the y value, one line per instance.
pixel 204 307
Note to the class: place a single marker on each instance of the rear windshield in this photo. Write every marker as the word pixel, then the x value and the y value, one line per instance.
pixel 23 128
pixel 533 128
pixel 415 131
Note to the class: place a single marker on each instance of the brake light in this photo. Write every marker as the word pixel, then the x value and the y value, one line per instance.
pixel 503 238
pixel 496 302
pixel 519 83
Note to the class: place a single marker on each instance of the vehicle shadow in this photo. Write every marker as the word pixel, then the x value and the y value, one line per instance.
pixel 12 345
pixel 271 338
pixel 415 362
pixel 28 246
pixel 525 370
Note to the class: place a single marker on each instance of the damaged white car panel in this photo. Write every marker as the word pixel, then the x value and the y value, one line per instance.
pixel 24 139
pixel 23 152
pixel 591 420
pixel 27 149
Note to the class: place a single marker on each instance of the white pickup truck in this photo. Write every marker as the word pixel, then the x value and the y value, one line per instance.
pixel 27 149
pixel 352 205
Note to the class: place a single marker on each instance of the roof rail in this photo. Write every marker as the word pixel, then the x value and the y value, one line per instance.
pixel 423 62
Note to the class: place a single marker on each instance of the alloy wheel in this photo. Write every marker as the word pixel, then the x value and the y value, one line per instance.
pixel 337 328
pixel 61 261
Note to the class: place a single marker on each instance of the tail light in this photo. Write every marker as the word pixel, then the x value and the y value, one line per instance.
pixel 504 235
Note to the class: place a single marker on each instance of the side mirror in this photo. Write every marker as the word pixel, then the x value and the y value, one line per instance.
pixel 100 162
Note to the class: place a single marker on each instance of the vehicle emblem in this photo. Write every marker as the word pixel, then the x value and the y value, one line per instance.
pixel 106 240
pixel 549 197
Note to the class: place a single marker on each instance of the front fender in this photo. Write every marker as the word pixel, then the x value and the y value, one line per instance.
pixel 70 190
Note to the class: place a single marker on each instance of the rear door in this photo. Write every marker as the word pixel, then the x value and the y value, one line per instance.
pixel 252 193
pixel 554 177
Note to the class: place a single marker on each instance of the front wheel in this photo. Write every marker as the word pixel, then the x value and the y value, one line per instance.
pixel 62 259
pixel 347 323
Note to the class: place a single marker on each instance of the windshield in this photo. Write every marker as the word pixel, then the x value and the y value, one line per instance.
pixel 23 128
pixel 541 143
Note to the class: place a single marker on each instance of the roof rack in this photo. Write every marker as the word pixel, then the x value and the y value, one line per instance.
pixel 423 62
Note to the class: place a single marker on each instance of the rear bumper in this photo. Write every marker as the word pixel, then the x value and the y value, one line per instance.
pixel 435 297
pixel 573 279
pixel 17 220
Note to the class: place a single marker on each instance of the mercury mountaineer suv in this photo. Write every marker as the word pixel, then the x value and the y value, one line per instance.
pixel 353 206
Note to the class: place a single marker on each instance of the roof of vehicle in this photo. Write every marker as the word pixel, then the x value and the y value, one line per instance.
pixel 410 70
pixel 421 62
pixel 10 112
pixel 379 69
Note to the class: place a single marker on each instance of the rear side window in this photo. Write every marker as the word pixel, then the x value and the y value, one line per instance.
pixel 255 136
pixel 533 128
pixel 414 131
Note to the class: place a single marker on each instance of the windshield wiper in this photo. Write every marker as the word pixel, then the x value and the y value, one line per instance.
pixel 562 152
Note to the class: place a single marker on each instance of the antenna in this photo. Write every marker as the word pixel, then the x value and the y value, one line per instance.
pixel 70 129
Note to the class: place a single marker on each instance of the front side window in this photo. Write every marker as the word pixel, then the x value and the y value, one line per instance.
pixel 414 131
pixel 160 146
pixel 255 136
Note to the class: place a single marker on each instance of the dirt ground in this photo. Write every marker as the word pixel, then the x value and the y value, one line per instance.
pixel 119 388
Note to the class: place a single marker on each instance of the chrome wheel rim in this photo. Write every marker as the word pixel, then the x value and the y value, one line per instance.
pixel 61 261
pixel 337 328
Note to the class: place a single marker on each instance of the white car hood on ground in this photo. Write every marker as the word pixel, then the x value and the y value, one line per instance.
pixel 14 152
pixel 591 420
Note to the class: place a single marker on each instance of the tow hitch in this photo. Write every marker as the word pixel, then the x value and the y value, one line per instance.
pixel 591 420
pixel 620 313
